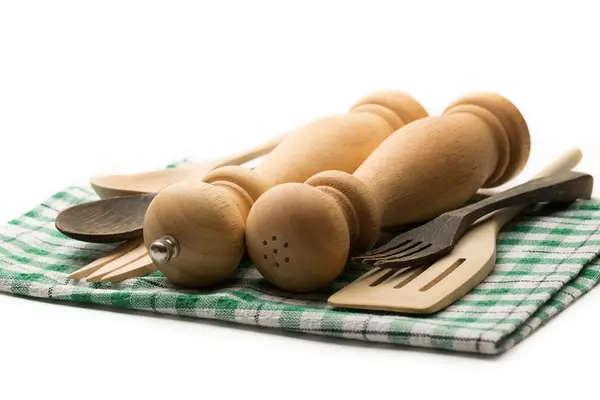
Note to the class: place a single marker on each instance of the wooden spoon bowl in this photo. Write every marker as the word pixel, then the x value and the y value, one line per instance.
pixel 105 221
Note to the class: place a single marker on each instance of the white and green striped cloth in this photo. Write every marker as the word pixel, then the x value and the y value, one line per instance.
pixel 546 260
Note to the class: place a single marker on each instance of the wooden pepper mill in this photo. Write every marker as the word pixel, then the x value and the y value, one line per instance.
pixel 300 235
pixel 194 230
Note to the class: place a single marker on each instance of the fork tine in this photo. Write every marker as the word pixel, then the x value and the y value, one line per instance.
pixel 140 267
pixel 128 258
pixel 102 261
pixel 418 257
pixel 398 242
pixel 414 248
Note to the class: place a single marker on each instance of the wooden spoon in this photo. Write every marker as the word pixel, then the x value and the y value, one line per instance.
pixel 107 220
pixel 119 215
pixel 107 186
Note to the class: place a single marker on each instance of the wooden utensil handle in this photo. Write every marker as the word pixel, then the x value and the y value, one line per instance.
pixel 250 154
pixel 563 187
pixel 564 163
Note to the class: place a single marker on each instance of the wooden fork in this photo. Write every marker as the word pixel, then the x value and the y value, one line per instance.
pixel 129 260
pixel 438 237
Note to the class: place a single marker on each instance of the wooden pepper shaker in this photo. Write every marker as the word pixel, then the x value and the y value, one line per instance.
pixel 194 230
pixel 300 235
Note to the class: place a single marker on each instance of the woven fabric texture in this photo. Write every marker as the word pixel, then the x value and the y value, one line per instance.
pixel 547 258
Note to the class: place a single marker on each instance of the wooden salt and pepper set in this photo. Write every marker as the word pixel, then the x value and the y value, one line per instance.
pixel 299 236
pixel 195 230
pixel 406 167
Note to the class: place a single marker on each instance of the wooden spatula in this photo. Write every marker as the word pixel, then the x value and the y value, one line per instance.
pixel 427 289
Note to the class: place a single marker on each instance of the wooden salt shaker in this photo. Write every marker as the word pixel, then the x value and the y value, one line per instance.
pixel 300 235
pixel 194 230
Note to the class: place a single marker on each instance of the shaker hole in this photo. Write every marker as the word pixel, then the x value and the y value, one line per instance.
pixel 274 251
pixel 274 238
pixel 285 244
pixel 287 259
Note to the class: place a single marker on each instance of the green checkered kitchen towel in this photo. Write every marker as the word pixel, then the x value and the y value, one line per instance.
pixel 546 260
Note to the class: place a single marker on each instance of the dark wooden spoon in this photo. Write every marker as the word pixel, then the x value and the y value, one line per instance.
pixel 112 220
pixel 105 221
pixel 116 219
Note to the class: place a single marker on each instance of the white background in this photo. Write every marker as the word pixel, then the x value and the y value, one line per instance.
pixel 125 86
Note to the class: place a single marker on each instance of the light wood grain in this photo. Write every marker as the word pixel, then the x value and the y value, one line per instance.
pixel 208 218
pixel 113 263
pixel 126 259
pixel 154 181
pixel 138 267
pixel 429 166
pixel 101 262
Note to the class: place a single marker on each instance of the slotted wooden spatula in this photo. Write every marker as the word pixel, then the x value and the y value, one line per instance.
pixel 427 289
